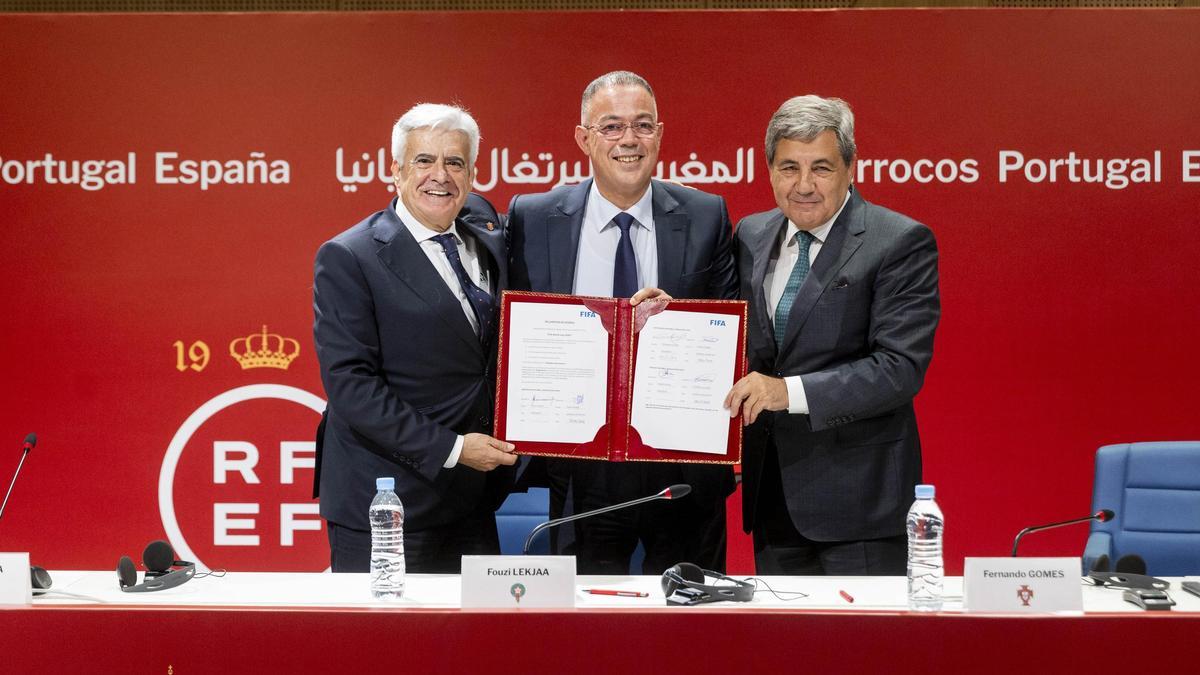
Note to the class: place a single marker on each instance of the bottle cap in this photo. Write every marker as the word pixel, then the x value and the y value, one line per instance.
pixel 385 483
pixel 925 492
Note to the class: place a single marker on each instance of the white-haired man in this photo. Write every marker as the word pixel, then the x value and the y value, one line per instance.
pixel 405 331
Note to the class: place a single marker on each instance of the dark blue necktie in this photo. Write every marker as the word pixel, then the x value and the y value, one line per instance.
pixel 784 309
pixel 625 281
pixel 481 301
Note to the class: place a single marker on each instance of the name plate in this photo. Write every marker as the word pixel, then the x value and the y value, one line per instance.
pixel 518 581
pixel 1022 585
pixel 15 586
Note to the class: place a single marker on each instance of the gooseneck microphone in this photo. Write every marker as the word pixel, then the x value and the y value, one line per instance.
pixel 1103 515
pixel 30 442
pixel 673 492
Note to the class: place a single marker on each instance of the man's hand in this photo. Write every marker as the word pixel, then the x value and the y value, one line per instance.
pixel 484 453
pixel 755 393
pixel 649 293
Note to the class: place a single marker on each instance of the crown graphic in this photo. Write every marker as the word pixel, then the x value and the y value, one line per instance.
pixel 264 350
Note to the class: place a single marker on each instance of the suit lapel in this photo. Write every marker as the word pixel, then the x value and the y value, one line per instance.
pixel 761 253
pixel 401 254
pixel 839 246
pixel 670 235
pixel 492 244
pixel 562 237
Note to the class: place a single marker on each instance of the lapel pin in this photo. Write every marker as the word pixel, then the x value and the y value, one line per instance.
pixel 491 226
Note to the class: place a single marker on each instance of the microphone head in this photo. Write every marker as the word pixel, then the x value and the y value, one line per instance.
pixel 30 441
pixel 676 491
pixel 1104 515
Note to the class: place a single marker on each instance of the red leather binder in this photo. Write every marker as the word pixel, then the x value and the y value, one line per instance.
pixel 616 439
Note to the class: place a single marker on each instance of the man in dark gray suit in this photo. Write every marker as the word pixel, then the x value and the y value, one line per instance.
pixel 405 332
pixel 609 237
pixel 843 307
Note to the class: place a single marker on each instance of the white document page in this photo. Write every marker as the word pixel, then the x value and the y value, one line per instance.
pixel 685 367
pixel 557 373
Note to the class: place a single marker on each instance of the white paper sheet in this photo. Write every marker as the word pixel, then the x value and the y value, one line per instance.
pixel 557 373
pixel 685 367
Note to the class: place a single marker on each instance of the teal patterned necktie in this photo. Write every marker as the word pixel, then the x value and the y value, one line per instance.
pixel 784 309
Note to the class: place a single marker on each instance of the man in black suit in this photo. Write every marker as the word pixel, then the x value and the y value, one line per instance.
pixel 405 332
pixel 609 237
pixel 843 307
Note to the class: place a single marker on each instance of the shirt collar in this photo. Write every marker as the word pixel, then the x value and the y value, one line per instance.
pixel 821 231
pixel 642 210
pixel 419 231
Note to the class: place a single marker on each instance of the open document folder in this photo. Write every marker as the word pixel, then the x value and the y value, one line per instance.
pixel 595 378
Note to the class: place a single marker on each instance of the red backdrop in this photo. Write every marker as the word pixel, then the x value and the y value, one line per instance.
pixel 1069 306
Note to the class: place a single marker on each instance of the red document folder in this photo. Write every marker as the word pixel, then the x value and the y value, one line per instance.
pixel 617 440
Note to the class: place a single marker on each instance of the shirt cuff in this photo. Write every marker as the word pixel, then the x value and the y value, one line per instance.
pixel 797 400
pixel 452 460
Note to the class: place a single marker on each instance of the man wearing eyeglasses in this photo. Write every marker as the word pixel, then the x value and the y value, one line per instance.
pixel 610 236
pixel 843 309
pixel 405 331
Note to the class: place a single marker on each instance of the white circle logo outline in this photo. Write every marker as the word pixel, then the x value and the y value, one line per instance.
pixel 166 475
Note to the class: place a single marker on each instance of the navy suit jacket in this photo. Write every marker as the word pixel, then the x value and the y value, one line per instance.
pixel 695 260
pixel 860 335
pixel 403 371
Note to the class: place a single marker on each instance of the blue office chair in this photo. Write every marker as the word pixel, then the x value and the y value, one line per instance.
pixel 1154 488
pixel 517 517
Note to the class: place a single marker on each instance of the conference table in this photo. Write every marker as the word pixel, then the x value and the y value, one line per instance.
pixel 284 622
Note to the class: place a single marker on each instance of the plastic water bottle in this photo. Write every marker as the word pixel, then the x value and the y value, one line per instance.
pixel 387 542
pixel 925 566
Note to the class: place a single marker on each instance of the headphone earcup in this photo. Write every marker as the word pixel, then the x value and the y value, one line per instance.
pixel 1131 564
pixel 126 572
pixel 691 572
pixel 39 578
pixel 670 580
pixel 680 575
pixel 158 556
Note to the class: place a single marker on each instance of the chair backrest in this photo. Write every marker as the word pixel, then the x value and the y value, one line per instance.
pixel 1154 488
pixel 517 517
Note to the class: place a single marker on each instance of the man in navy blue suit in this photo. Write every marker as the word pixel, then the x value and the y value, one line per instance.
pixel 405 306
pixel 611 236
pixel 843 307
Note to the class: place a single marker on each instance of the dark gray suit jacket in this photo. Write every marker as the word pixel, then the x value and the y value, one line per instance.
pixel 860 335
pixel 403 371
pixel 695 260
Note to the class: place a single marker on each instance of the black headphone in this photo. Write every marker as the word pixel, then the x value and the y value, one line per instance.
pixel 163 571
pixel 686 584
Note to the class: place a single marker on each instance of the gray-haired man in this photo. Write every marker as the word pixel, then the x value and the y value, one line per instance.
pixel 843 308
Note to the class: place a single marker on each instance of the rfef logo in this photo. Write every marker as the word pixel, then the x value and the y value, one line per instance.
pixel 235 487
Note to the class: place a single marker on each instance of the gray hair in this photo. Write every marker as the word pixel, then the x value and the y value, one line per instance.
pixel 434 116
pixel 617 78
pixel 803 118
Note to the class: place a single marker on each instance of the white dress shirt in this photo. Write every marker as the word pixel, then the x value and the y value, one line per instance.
pixel 779 268
pixel 598 239
pixel 472 263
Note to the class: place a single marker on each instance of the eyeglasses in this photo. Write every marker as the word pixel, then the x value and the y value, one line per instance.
pixel 425 164
pixel 615 130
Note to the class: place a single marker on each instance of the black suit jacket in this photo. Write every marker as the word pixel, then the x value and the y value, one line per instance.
pixel 695 260
pixel 860 335
pixel 403 371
